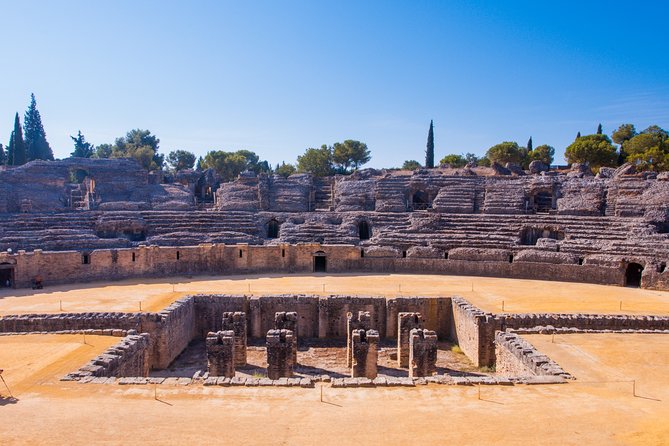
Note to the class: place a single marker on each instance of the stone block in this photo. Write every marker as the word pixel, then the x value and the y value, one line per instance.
pixel 422 353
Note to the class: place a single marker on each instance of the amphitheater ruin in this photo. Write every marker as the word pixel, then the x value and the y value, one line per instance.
pixel 72 224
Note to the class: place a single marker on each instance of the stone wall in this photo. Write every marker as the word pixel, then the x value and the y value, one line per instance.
pixel 517 357
pixel 175 330
pixel 474 331
pixel 577 322
pixel 130 357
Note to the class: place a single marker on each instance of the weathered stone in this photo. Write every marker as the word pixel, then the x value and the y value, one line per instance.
pixel 279 354
pixel 422 352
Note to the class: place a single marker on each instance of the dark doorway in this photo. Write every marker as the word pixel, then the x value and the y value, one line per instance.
pixel 633 275
pixel 420 201
pixel 273 229
pixel 320 262
pixel 6 275
pixel 363 230
pixel 543 202
pixel 530 235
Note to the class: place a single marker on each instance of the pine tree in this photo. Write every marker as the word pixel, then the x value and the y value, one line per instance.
pixel 3 156
pixel 529 144
pixel 17 144
pixel 429 154
pixel 36 145
pixel 599 129
pixel 82 148
pixel 198 166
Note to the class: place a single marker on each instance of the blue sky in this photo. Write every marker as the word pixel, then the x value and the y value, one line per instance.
pixel 278 77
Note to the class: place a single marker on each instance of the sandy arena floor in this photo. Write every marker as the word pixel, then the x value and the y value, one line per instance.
pixel 518 296
pixel 598 409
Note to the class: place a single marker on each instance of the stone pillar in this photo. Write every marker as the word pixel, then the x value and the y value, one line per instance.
pixel 405 323
pixel 255 310
pixel 279 354
pixel 422 353
pixel 236 321
pixel 360 321
pixel 221 353
pixel 323 317
pixel 287 320
pixel 364 347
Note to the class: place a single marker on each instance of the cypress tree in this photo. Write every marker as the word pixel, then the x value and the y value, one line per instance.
pixel 529 144
pixel 10 150
pixel 599 129
pixel 429 154
pixel 17 143
pixel 3 156
pixel 578 135
pixel 37 148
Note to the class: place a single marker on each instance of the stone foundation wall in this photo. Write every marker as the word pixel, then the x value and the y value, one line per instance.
pixel 175 330
pixel 517 357
pixel 65 322
pixel 130 357
pixel 474 331
pixel 548 322
pixel 153 261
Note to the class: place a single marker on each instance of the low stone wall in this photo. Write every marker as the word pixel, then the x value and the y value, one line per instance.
pixel 174 331
pixel 159 261
pixel 549 322
pixel 516 357
pixel 68 322
pixel 474 331
pixel 130 357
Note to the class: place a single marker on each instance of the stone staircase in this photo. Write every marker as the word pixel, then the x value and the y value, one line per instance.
pixel 323 192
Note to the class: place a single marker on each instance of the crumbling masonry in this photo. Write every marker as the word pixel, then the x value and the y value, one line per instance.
pixel 364 347
pixel 405 323
pixel 236 322
pixel 279 354
pixel 221 353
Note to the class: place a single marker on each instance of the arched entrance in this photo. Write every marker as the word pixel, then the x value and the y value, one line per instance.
pixel 543 202
pixel 273 229
pixel 633 275
pixel 364 231
pixel 320 262
pixel 6 275
pixel 420 201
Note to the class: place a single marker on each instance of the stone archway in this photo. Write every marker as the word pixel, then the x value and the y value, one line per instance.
pixel 633 274
pixel 420 200
pixel 320 262
pixel 7 275
pixel 364 231
pixel 273 228
pixel 542 201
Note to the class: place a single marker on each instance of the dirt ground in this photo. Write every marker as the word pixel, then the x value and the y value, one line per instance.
pixel 518 296
pixel 317 357
pixel 599 408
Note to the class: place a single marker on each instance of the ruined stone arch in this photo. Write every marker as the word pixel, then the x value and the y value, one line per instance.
pixel 320 262
pixel 7 274
pixel 542 200
pixel 364 230
pixel 273 228
pixel 530 234
pixel 633 273
pixel 420 200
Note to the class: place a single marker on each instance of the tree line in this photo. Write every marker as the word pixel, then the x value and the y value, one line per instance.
pixel 647 150
pixel 27 142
